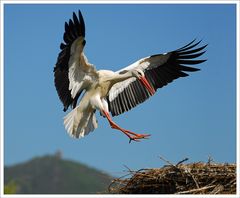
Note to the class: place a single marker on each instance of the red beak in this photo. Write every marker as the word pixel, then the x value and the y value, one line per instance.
pixel 147 85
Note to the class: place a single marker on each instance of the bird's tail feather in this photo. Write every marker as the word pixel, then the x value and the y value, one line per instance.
pixel 79 124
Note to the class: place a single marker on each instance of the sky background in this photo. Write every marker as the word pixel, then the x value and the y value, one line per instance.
pixel 192 117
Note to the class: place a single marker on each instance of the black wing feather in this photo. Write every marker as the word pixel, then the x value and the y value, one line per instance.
pixel 189 46
pixel 159 76
pixel 73 30
pixel 175 65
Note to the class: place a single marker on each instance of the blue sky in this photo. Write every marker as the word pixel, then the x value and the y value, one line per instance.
pixel 192 117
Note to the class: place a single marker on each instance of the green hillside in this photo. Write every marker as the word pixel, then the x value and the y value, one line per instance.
pixel 53 175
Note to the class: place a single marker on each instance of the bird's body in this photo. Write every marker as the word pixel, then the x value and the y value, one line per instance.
pixel 93 99
pixel 108 91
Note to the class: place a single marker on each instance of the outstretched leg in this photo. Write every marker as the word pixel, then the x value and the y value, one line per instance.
pixel 131 135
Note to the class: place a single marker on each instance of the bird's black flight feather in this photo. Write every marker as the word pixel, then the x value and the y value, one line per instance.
pixel 74 29
pixel 159 76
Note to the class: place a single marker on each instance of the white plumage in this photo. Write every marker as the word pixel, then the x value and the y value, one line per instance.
pixel 108 91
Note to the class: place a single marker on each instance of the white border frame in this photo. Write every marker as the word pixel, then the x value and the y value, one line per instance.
pixel 113 2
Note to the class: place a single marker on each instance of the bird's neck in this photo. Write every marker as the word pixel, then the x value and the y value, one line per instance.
pixel 122 77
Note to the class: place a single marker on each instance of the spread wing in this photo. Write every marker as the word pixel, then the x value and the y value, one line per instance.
pixel 159 70
pixel 72 72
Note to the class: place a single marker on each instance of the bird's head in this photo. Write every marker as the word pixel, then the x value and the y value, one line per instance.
pixel 139 74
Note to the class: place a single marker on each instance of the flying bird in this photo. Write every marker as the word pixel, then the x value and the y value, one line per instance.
pixel 112 92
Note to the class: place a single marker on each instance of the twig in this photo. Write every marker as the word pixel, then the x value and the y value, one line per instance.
pixel 168 162
pixel 200 179
pixel 196 190
pixel 217 189
pixel 194 179
pixel 184 160
pixel 210 160
pixel 129 170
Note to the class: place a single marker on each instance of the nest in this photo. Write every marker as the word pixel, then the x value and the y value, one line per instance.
pixel 195 178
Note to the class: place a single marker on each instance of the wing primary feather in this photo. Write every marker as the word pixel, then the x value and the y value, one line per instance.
pixel 121 104
pixel 190 47
pixel 190 62
pixel 192 51
pixel 131 91
pixel 155 77
pixel 140 94
pixel 122 101
pixel 182 74
pixel 66 26
pixel 72 31
pixel 186 45
pixel 129 96
pixel 127 99
pixel 191 56
pixel 189 69
pixel 151 80
pixel 137 92
pixel 112 107
pixel 75 20
pixel 144 92
pixel 82 23
pixel 77 25
pixel 118 106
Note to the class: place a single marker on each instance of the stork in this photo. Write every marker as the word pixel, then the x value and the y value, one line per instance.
pixel 108 91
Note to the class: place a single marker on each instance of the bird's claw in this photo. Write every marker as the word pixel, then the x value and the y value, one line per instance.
pixel 137 137
pixel 133 139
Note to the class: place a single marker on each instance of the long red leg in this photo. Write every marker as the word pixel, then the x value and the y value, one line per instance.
pixel 131 135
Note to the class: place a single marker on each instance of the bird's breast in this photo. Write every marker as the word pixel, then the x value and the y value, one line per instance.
pixel 105 82
pixel 104 88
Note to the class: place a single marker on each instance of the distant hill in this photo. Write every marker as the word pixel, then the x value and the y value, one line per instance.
pixel 53 175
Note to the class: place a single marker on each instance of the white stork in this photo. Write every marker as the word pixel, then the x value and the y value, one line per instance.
pixel 108 91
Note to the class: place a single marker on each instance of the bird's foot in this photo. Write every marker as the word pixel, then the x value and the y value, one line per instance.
pixel 136 137
pixel 131 135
